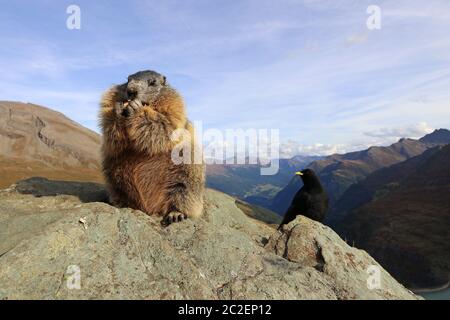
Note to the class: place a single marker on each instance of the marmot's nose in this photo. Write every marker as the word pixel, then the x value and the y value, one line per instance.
pixel 131 94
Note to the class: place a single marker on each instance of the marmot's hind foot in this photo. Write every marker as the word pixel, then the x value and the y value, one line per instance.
pixel 173 217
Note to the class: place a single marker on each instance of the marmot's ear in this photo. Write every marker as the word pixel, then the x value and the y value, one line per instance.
pixel 164 81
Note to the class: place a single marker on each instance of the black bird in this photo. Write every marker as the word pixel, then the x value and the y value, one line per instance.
pixel 310 201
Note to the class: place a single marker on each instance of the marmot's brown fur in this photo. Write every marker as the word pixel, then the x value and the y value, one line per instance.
pixel 137 119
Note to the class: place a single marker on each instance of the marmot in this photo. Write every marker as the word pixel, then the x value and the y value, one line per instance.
pixel 138 119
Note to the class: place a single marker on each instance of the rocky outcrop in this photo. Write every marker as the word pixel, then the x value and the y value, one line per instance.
pixel 50 235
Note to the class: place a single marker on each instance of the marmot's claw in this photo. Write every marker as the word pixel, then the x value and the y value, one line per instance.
pixel 173 217
pixel 131 107
pixel 136 104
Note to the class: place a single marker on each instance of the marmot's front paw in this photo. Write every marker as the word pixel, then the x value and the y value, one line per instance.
pixel 131 107
pixel 118 108
pixel 173 217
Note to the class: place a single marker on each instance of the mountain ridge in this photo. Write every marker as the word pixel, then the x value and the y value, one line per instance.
pixel 412 241
pixel 38 140
pixel 338 172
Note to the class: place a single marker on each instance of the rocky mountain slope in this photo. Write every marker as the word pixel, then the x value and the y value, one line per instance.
pixel 259 213
pixel 375 186
pixel 338 172
pixel 438 137
pixel 401 216
pixel 35 140
pixel 48 241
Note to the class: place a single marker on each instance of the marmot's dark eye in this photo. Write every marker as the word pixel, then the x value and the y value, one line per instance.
pixel 151 82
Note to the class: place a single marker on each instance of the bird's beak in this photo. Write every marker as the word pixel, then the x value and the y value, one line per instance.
pixel 299 173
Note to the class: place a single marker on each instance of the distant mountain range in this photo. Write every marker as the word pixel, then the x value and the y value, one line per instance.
pixel 37 141
pixel 401 216
pixel 339 171
pixel 245 181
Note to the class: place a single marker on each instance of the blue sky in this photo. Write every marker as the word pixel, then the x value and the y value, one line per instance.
pixel 311 68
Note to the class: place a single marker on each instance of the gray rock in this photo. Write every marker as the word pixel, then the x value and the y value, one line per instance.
pixel 350 270
pixel 125 254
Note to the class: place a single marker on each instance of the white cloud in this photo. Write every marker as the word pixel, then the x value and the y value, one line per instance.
pixel 291 148
pixel 357 38
pixel 414 131
pixel 379 137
